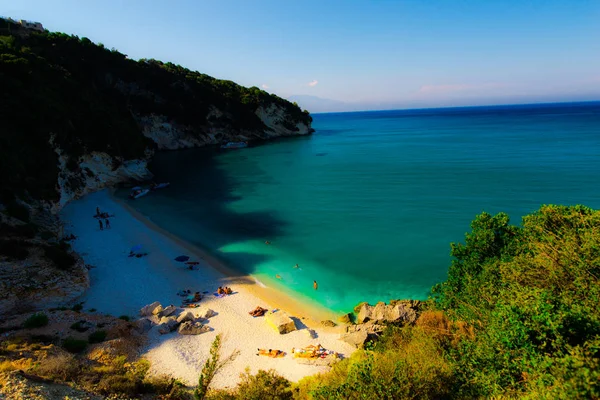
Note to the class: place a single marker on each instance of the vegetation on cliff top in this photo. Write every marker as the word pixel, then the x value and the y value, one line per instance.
pixel 89 98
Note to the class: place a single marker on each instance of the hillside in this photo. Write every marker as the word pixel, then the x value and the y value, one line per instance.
pixel 97 109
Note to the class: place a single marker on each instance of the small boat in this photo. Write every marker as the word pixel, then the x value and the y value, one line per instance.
pixel 160 185
pixel 235 145
pixel 138 192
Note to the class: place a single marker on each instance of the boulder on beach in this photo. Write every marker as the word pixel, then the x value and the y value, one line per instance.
pixel 345 319
pixel 167 324
pixel 151 309
pixel 185 316
pixel 208 314
pixel 328 323
pixel 166 311
pixel 192 328
pixel 356 339
pixel 280 321
pixel 402 312
pixel 142 325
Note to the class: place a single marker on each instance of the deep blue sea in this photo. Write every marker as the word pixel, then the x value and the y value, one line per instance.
pixel 369 204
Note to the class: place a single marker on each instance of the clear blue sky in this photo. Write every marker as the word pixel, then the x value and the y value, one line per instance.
pixel 367 54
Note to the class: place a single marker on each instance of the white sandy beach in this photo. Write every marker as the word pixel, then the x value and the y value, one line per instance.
pixel 121 286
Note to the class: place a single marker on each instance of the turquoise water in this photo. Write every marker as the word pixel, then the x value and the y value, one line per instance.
pixel 369 204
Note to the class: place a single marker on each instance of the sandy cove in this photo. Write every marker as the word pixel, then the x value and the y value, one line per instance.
pixel 121 285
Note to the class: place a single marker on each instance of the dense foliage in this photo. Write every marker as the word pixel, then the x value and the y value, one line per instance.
pixel 86 98
pixel 518 317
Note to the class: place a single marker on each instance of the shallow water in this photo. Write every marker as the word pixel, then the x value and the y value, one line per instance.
pixel 369 204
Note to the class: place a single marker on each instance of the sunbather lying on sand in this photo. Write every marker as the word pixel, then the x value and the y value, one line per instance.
pixel 310 351
pixel 224 290
pixel 193 299
pixel 258 311
pixel 270 353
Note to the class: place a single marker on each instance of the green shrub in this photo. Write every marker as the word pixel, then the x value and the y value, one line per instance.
pixel 97 337
pixel 124 317
pixel 79 327
pixel 263 385
pixel 77 307
pixel 63 367
pixel 36 321
pixel 73 345
pixel 119 384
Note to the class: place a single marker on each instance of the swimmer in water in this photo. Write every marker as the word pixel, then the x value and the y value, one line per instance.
pixel 315 285
pixel 278 276
pixel 296 266
pixel 267 242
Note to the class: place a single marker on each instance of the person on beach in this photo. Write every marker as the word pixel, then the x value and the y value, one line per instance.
pixel 107 223
pixel 100 222
pixel 315 285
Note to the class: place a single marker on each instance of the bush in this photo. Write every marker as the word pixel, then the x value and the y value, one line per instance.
pixel 62 367
pixel 73 345
pixel 124 317
pixel 79 327
pixel 119 384
pixel 36 321
pixel 263 385
pixel 97 337
pixel 77 307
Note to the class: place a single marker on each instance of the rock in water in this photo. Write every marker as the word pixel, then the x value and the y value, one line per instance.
pixel 151 309
pixel 280 321
pixel 192 328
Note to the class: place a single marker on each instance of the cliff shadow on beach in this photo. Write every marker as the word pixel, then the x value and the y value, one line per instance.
pixel 197 207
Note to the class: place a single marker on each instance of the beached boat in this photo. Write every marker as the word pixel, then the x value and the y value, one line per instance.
pixel 234 145
pixel 160 185
pixel 138 192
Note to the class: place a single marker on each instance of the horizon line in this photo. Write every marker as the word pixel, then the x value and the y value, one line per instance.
pixel 455 107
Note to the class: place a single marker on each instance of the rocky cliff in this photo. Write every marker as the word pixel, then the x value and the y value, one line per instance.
pixel 77 117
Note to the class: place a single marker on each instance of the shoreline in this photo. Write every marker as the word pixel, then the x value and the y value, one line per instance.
pixel 122 285
pixel 311 314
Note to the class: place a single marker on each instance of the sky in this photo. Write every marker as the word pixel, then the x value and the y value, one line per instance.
pixel 332 55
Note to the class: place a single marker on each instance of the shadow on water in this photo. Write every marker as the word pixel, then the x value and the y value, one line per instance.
pixel 196 207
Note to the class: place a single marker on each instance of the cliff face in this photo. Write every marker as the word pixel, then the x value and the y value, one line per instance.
pixel 78 117
pixel 169 135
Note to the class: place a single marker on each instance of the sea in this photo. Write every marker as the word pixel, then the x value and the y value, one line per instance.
pixel 369 204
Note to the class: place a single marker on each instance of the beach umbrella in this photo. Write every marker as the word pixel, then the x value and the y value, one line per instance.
pixel 182 258
pixel 137 248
